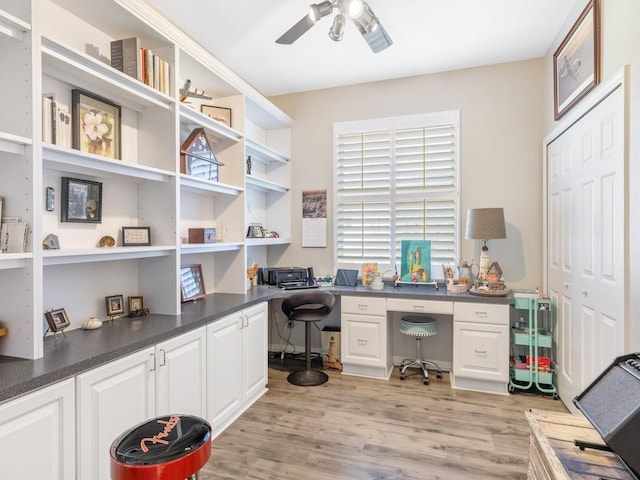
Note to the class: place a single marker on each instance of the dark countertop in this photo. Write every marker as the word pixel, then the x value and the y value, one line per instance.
pixel 81 350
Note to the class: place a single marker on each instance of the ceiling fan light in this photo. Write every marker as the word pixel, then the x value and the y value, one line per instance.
pixel 356 7
pixel 337 28
pixel 319 10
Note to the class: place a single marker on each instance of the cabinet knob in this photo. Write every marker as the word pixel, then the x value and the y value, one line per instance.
pixel 362 306
pixel 152 362
pixel 362 341
pixel 419 308
pixel 584 292
pixel 480 352
pixel 163 357
pixel 482 314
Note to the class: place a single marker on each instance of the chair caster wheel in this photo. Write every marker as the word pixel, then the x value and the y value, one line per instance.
pixel 425 381
pixel 556 396
pixel 402 376
pixel 439 375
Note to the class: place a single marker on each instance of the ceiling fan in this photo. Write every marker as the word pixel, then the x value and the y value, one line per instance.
pixel 360 13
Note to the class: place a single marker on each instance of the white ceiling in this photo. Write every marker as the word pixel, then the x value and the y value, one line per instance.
pixel 429 36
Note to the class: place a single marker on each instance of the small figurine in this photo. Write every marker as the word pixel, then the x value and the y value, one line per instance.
pixel 249 165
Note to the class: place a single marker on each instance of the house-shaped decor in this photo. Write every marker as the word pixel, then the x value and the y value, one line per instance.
pixel 197 157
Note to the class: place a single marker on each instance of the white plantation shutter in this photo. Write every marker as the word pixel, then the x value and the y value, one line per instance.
pixel 396 179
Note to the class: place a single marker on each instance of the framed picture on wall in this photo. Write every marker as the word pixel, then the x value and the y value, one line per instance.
pixel 576 62
pixel 81 201
pixel 96 124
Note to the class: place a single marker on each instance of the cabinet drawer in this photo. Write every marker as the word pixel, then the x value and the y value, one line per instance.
pixel 481 351
pixel 419 306
pixel 481 313
pixel 364 305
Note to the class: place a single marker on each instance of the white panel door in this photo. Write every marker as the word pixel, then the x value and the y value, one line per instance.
pixel 37 434
pixel 586 244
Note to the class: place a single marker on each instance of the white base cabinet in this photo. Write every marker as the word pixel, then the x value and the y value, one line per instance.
pixel 167 378
pixel 236 364
pixel 37 434
pixel 366 349
pixel 481 347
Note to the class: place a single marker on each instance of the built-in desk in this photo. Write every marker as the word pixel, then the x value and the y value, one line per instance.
pixel 479 357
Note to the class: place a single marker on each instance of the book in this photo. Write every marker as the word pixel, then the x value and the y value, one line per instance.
pixel 63 126
pixel 124 56
pixel 47 117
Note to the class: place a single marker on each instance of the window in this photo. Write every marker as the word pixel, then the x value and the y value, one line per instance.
pixel 396 179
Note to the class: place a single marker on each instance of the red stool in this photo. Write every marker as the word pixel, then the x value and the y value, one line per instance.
pixel 173 447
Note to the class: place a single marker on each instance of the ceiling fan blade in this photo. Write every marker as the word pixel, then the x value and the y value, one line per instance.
pixel 318 11
pixel 297 30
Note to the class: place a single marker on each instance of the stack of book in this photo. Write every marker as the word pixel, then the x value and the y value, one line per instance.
pixel 13 235
pixel 140 63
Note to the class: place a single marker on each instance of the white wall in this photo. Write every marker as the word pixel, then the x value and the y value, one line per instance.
pixel 501 131
pixel 620 46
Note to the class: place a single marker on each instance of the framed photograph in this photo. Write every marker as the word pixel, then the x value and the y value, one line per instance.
pixel 219 114
pixel 136 236
pixel 57 319
pixel 96 124
pixel 135 304
pixel 114 304
pixel 576 62
pixel 81 201
pixel 191 283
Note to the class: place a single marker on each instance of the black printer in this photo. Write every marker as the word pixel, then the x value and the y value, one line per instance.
pixel 286 276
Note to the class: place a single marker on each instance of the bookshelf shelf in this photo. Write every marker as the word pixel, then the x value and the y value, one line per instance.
pixel 86 255
pixel 14 260
pixel 265 185
pixel 264 154
pixel 73 66
pixel 220 134
pixel 12 27
pixel 13 143
pixel 68 160
pixel 187 248
pixel 197 185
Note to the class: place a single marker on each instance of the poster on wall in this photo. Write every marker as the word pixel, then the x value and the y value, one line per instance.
pixel 314 218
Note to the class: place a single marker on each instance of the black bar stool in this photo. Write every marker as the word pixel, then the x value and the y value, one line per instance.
pixel 308 307
pixel 173 447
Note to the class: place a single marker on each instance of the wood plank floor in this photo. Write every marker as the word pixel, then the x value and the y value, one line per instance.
pixel 355 428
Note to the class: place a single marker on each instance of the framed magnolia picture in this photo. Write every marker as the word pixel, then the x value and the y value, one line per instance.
pixel 576 62
pixel 96 124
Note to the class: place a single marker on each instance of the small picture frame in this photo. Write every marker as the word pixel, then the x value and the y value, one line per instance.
pixel 96 124
pixel 135 304
pixel 255 231
pixel 57 319
pixel 81 201
pixel 191 283
pixel 114 304
pixel 219 114
pixel 136 236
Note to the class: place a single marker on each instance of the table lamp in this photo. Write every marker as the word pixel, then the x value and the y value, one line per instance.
pixel 485 224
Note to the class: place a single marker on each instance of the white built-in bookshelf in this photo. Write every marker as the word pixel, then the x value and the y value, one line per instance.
pixel 143 186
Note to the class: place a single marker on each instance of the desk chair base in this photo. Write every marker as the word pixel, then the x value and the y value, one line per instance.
pixel 423 365
pixel 307 378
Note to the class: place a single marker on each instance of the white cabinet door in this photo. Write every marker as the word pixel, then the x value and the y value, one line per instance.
pixel 481 351
pixel 254 351
pixel 181 375
pixel 224 370
pixel 236 364
pixel 363 339
pixel 37 434
pixel 112 399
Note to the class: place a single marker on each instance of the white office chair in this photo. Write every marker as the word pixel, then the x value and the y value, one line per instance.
pixel 419 327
